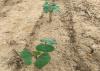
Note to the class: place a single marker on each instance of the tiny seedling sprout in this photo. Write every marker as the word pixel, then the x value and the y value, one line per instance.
pixel 50 7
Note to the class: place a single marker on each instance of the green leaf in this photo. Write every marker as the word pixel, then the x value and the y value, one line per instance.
pixel 46 7
pixel 44 48
pixel 49 41
pixel 50 7
pixel 54 7
pixel 42 60
pixel 26 56
pixel 28 61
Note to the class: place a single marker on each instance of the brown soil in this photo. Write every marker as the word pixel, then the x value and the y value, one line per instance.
pixel 76 29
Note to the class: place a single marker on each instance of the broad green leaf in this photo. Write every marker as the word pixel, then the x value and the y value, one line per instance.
pixel 49 41
pixel 28 61
pixel 42 60
pixel 26 56
pixel 45 48
pixel 46 7
pixel 54 7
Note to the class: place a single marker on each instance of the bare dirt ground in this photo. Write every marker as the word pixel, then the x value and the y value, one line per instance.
pixel 76 28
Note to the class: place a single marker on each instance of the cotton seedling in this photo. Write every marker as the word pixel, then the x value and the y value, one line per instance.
pixel 41 53
pixel 50 7
pixel 44 48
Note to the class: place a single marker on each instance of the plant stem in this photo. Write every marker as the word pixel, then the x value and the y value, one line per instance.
pixel 50 16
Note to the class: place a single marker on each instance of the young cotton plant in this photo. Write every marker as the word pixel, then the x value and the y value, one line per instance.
pixel 41 53
pixel 50 7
